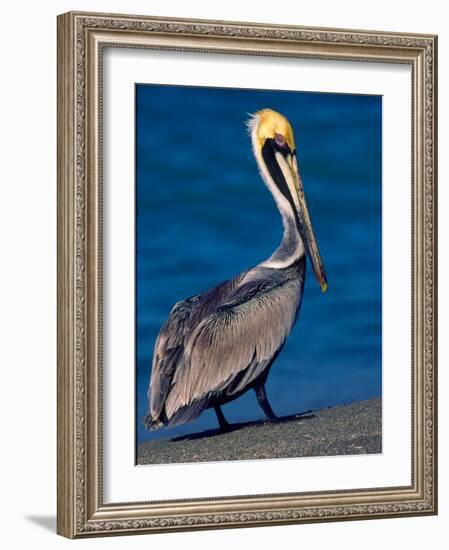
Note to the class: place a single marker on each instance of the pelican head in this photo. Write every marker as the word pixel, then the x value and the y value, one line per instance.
pixel 275 151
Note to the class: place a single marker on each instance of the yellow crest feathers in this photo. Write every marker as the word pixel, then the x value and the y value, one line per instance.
pixel 268 123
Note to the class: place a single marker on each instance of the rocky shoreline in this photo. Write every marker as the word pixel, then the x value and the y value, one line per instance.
pixel 344 430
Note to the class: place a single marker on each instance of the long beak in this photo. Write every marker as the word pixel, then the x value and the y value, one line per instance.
pixel 305 226
pixel 283 169
pixel 290 174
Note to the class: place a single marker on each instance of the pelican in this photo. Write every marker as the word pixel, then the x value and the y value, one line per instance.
pixel 219 344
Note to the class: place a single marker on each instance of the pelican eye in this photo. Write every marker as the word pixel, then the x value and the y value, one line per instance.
pixel 280 140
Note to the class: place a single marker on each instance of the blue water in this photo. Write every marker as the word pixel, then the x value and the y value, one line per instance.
pixel 203 215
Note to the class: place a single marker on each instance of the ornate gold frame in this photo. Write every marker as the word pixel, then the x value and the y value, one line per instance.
pixel 81 38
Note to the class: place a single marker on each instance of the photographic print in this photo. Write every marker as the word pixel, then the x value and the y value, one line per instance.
pixel 258 274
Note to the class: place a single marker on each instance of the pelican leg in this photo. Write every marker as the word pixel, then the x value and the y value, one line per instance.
pixel 224 424
pixel 263 402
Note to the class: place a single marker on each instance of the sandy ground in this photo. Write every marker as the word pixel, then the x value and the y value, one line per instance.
pixel 344 430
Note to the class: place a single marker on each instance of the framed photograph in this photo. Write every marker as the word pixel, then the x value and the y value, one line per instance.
pixel 246 274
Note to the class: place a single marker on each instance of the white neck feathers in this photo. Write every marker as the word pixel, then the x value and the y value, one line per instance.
pixel 291 247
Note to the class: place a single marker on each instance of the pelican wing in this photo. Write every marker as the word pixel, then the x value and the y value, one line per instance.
pixel 230 347
pixel 167 352
pixel 169 348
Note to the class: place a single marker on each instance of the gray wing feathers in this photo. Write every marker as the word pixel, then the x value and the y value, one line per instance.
pixel 164 366
pixel 167 352
pixel 233 345
pixel 169 347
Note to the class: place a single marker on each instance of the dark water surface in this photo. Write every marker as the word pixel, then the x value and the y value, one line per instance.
pixel 203 215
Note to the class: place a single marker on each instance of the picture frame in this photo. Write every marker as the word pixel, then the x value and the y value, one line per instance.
pixel 82 40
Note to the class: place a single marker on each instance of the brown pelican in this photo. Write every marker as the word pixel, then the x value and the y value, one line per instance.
pixel 219 344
